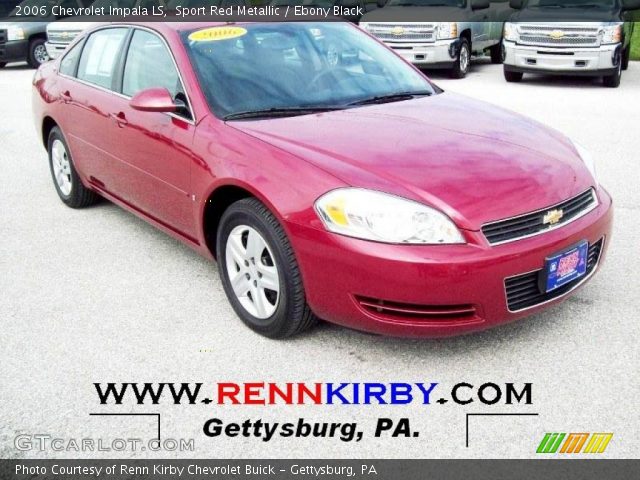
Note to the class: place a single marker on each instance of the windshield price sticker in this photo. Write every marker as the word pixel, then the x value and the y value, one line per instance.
pixel 217 33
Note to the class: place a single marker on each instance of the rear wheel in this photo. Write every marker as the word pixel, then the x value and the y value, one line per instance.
pixel 37 53
pixel 65 178
pixel 463 60
pixel 259 271
pixel 613 81
pixel 497 53
pixel 512 77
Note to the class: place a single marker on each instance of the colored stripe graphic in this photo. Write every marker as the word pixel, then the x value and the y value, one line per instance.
pixel 597 442
pixel 574 443
pixel 550 443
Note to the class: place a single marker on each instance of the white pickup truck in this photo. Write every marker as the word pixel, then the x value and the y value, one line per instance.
pixel 535 41
pixel 432 44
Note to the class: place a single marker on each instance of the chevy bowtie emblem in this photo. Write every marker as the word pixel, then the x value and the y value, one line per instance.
pixel 397 30
pixel 552 217
pixel 65 34
pixel 557 34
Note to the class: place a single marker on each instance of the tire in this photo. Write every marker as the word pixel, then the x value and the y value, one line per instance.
pixel 279 314
pixel 65 178
pixel 613 81
pixel 463 60
pixel 37 53
pixel 3 64
pixel 626 57
pixel 497 54
pixel 512 77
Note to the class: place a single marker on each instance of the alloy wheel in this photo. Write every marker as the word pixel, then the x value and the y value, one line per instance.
pixel 252 272
pixel 40 54
pixel 61 167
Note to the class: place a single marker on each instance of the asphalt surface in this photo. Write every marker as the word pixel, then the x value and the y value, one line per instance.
pixel 97 295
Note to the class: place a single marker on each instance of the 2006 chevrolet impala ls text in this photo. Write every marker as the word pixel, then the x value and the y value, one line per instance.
pixel 330 178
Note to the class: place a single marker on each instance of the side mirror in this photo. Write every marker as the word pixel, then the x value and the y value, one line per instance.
pixel 153 100
pixel 480 4
pixel 516 4
pixel 630 5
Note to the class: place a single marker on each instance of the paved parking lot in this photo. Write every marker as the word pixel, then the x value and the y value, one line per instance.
pixel 97 295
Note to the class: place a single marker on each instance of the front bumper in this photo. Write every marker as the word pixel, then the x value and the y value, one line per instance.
pixel 435 54
pixel 339 272
pixel 14 51
pixel 596 61
pixel 54 50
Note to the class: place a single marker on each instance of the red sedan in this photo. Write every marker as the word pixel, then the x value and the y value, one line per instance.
pixel 329 177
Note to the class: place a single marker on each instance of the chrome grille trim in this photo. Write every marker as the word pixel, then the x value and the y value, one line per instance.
pixel 413 32
pixel 573 35
pixel 531 224
pixel 65 37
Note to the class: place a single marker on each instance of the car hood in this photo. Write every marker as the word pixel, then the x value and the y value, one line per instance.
pixel 411 13
pixel 566 14
pixel 474 161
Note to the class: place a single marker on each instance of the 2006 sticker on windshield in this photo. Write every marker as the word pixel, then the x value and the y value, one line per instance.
pixel 217 33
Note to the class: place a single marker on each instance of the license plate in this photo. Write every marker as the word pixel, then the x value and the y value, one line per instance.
pixel 566 267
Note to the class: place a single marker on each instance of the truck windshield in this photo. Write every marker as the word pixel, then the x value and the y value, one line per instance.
pixel 428 3
pixel 571 3
pixel 280 68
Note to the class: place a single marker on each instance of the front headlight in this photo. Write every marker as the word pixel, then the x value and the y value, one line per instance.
pixel 587 158
pixel 372 215
pixel 15 33
pixel 611 34
pixel 511 32
pixel 447 30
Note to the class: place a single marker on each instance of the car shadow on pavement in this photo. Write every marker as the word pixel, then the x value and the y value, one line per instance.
pixel 17 66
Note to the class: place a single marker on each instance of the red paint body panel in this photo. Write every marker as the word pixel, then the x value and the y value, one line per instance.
pixel 475 162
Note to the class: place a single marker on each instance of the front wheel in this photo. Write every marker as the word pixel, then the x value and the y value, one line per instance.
pixel 613 81
pixel 463 60
pixel 512 77
pixel 37 53
pixel 259 271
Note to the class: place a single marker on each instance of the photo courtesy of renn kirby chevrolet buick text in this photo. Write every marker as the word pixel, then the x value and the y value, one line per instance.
pixel 328 176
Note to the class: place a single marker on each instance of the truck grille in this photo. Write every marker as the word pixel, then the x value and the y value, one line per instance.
pixel 3 36
pixel 403 32
pixel 64 37
pixel 534 223
pixel 559 35
pixel 523 291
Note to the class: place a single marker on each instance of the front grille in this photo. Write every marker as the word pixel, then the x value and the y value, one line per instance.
pixel 524 291
pixel 3 36
pixel 403 32
pixel 533 223
pixel 65 37
pixel 408 312
pixel 559 35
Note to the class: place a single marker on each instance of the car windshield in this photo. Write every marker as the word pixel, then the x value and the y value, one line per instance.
pixel 304 66
pixel 428 3
pixel 571 3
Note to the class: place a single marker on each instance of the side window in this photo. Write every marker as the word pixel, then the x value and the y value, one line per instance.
pixel 70 61
pixel 100 55
pixel 149 65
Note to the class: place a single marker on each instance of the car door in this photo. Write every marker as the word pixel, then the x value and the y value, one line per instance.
pixel 154 148
pixel 87 88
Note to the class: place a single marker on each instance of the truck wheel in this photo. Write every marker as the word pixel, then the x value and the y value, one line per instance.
pixel 259 271
pixel 512 77
pixel 613 81
pixel 626 56
pixel 37 53
pixel 497 53
pixel 463 60
pixel 3 64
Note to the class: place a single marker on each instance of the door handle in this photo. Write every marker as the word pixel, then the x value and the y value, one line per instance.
pixel 66 96
pixel 119 118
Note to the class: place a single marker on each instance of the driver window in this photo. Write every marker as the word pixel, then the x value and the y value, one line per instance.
pixel 149 65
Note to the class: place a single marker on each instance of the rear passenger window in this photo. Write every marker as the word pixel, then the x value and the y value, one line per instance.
pixel 70 61
pixel 149 65
pixel 100 55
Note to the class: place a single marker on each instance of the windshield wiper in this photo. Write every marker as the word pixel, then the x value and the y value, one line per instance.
pixel 392 97
pixel 279 112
